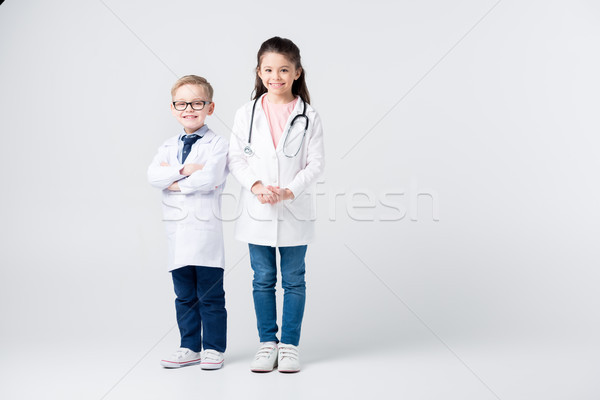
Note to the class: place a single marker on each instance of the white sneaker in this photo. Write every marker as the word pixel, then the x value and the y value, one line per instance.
pixel 211 359
pixel 266 358
pixel 289 358
pixel 181 358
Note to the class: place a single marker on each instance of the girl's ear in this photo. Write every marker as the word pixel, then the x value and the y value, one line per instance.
pixel 258 72
pixel 298 73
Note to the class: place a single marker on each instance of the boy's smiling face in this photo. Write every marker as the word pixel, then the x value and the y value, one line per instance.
pixel 191 119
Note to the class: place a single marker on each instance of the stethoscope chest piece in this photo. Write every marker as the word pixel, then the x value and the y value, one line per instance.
pixel 248 150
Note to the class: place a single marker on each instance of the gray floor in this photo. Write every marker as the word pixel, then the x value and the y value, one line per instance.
pixel 426 370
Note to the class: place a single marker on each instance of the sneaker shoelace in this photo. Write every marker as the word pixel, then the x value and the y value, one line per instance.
pixel 264 351
pixel 289 352
pixel 211 355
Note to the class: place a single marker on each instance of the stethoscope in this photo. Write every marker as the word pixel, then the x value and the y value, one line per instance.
pixel 248 150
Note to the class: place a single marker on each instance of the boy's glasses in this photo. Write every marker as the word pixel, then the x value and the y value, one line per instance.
pixel 196 105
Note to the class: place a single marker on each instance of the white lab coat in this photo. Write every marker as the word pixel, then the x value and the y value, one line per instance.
pixel 288 223
pixel 193 216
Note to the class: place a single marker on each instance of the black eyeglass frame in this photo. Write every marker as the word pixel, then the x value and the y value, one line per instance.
pixel 191 104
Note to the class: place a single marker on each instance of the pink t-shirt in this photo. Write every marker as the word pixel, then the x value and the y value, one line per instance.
pixel 277 115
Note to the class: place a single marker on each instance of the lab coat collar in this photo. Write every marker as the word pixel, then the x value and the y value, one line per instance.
pixel 200 132
pixel 207 137
pixel 297 108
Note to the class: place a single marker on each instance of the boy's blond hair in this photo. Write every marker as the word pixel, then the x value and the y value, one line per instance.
pixel 193 80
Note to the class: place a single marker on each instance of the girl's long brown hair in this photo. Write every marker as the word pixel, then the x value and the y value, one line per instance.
pixel 287 48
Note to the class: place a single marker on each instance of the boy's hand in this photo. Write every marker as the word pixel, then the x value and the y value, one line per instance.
pixel 174 187
pixel 263 194
pixel 189 169
pixel 164 164
pixel 283 194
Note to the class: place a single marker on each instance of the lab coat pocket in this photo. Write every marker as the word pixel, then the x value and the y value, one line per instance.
pixel 194 246
pixel 302 208
pixel 174 207
pixel 206 211
pixel 258 211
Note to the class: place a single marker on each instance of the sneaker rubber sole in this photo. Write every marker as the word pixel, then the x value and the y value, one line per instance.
pixel 289 371
pixel 174 364
pixel 211 366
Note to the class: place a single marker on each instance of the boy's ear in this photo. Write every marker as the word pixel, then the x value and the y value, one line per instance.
pixel 211 108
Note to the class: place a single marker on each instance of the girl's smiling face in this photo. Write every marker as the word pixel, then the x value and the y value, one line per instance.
pixel 278 75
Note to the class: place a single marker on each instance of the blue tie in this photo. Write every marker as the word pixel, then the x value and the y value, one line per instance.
pixel 188 141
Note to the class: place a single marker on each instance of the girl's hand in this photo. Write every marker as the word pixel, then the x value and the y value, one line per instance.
pixel 283 194
pixel 263 194
pixel 268 199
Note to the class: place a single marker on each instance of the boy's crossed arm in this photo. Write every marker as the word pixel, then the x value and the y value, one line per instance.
pixel 160 174
pixel 164 176
pixel 212 174
pixel 189 178
pixel 187 170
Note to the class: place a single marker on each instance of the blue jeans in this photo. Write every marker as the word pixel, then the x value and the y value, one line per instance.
pixel 264 265
pixel 200 307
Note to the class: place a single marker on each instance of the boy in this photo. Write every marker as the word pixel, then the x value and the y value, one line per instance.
pixel 190 169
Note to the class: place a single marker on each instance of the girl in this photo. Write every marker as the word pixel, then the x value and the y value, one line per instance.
pixel 276 153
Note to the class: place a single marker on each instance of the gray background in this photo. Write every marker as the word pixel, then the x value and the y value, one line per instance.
pixel 488 109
